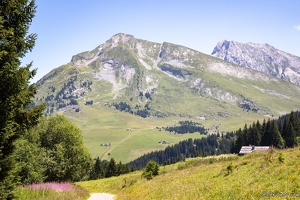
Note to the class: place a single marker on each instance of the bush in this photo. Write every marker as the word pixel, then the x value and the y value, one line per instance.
pixel 230 168
pixel 151 170
pixel 281 158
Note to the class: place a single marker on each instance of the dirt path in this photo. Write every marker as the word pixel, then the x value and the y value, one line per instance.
pixel 101 196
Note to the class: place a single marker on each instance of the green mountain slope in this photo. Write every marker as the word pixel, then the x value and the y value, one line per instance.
pixel 156 85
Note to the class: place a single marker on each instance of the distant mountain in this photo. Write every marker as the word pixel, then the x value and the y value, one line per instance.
pixel 261 57
pixel 161 80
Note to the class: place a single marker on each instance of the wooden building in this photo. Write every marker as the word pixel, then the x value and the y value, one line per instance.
pixel 249 149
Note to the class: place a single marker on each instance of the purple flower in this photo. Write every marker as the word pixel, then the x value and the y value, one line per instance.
pixel 66 187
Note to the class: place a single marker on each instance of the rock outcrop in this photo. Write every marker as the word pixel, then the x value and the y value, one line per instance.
pixel 261 57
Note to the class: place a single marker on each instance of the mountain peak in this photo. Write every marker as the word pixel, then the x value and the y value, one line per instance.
pixel 121 37
pixel 261 57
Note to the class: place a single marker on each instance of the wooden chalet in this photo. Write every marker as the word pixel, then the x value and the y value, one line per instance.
pixel 249 149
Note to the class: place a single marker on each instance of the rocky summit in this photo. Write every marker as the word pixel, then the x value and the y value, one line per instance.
pixel 261 57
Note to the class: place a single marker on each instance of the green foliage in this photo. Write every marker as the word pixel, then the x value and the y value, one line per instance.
pixel 230 168
pixel 30 158
pixel 97 171
pixel 16 94
pixel 290 136
pixel 53 151
pixel 106 169
pixel 151 170
pixel 111 168
pixel 281 158
pixel 66 157
pixel 187 127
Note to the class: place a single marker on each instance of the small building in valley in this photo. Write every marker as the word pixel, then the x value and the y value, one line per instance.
pixel 249 149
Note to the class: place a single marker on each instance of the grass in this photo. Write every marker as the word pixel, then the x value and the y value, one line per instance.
pixel 253 176
pixel 51 191
pixel 101 125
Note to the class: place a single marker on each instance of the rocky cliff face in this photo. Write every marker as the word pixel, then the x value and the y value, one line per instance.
pixel 261 57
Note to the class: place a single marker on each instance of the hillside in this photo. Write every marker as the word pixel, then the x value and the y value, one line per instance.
pixel 253 176
pixel 261 57
pixel 136 84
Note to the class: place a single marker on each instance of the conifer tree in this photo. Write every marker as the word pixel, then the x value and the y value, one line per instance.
pixel 290 137
pixel 97 171
pixel 255 137
pixel 285 124
pixel 246 135
pixel 239 141
pixel 295 122
pixel 111 168
pixel 259 127
pixel 266 138
pixel 276 138
pixel 16 92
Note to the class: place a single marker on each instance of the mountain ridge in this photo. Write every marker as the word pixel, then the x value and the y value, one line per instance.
pixel 135 66
pixel 261 57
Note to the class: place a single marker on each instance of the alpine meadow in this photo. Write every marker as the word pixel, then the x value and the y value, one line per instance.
pixel 136 119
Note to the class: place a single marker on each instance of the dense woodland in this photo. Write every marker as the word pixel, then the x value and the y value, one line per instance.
pixel 281 133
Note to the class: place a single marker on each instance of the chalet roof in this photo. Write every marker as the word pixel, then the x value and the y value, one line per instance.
pixel 250 149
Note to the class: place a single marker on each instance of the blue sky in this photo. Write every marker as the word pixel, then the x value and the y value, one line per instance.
pixel 68 27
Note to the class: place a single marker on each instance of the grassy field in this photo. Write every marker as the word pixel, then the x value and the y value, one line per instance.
pixel 274 174
pixel 101 125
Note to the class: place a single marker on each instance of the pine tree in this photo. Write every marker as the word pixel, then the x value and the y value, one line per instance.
pixel 246 135
pixel 295 122
pixel 284 130
pixel 276 138
pixel 266 138
pixel 239 141
pixel 290 137
pixel 259 127
pixel 16 93
pixel 111 168
pixel 255 137
pixel 97 171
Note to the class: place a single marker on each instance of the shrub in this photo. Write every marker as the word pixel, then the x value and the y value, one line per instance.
pixel 230 168
pixel 151 170
pixel 281 158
